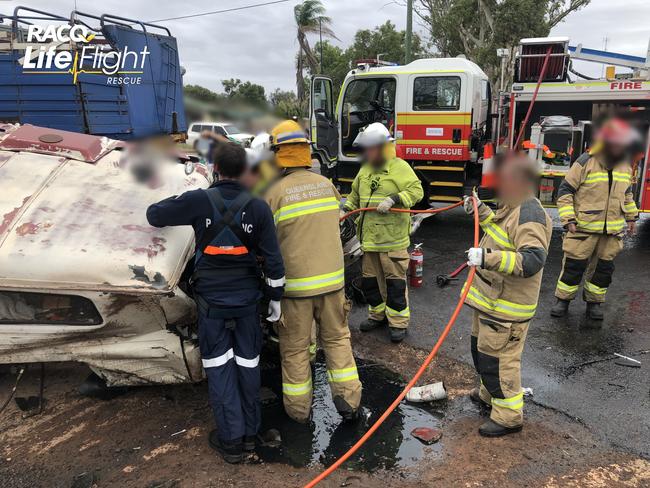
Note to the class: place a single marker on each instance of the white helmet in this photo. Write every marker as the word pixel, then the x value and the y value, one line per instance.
pixel 259 149
pixel 375 134
pixel 261 141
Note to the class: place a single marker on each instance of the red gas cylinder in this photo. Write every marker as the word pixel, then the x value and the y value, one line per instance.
pixel 416 262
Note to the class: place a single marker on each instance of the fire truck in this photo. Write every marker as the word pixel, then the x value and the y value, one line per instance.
pixel 441 114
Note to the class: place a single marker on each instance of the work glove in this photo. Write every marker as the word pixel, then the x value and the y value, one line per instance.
pixel 385 205
pixel 274 311
pixel 467 203
pixel 475 256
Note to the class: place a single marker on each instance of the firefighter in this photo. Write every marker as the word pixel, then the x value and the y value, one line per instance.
pixel 232 229
pixel 596 206
pixel 305 209
pixel 505 291
pixel 385 181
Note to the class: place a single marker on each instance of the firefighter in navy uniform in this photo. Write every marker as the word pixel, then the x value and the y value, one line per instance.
pixel 504 294
pixel 596 206
pixel 232 230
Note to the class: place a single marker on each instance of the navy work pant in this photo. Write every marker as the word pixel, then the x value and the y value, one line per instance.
pixel 230 349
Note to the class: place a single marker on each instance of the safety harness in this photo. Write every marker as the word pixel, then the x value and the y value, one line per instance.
pixel 224 238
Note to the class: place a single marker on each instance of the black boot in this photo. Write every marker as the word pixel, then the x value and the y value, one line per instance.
pixel 561 308
pixel 397 335
pixel 348 413
pixel 371 324
pixel 595 311
pixel 476 398
pixel 249 444
pixel 231 452
pixel 492 429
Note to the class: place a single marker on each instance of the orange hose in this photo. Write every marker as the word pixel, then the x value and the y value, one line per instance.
pixel 404 210
pixel 424 365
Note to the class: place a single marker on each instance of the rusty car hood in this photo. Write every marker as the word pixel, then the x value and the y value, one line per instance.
pixel 77 223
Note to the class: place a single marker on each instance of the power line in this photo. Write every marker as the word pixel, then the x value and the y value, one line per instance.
pixel 244 7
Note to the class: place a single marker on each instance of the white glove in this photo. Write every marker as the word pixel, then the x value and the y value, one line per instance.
pixel 274 311
pixel 467 203
pixel 475 256
pixel 385 205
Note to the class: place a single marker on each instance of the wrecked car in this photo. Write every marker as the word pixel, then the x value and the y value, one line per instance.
pixel 83 276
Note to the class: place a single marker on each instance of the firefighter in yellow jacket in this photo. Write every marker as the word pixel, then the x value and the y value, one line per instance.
pixel 505 291
pixel 305 207
pixel 596 206
pixel 385 181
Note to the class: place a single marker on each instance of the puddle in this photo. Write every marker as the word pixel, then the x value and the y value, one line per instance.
pixel 326 438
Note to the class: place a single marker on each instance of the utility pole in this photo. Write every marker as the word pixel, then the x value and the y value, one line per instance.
pixel 320 30
pixel 409 30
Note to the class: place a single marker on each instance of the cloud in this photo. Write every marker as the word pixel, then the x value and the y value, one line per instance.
pixel 260 44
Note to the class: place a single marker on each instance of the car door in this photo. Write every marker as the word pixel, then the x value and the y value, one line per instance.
pixel 323 127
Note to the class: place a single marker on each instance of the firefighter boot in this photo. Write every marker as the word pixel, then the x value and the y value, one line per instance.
pixel 561 308
pixel 344 409
pixel 397 334
pixel 372 324
pixel 491 429
pixel 231 452
pixel 476 398
pixel 595 311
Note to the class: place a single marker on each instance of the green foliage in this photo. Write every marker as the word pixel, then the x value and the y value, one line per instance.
pixel 245 92
pixel 476 28
pixel 203 94
pixel 285 104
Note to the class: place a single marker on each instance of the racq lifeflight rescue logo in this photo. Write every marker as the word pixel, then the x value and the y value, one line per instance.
pixel 46 53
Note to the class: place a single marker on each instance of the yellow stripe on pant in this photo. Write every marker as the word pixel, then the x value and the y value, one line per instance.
pixel 513 403
pixel 297 389
pixel 342 375
pixel 315 282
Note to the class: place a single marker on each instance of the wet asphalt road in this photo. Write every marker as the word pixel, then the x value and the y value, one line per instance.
pixel 568 362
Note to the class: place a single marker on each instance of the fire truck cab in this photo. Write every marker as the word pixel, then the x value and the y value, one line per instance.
pixel 437 109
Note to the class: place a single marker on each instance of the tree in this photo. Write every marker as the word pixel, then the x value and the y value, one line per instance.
pixel 202 94
pixel 245 92
pixel 476 28
pixel 310 18
pixel 285 104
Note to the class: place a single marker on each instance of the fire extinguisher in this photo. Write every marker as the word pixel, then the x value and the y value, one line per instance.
pixel 416 262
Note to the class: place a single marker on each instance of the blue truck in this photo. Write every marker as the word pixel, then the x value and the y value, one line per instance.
pixel 94 74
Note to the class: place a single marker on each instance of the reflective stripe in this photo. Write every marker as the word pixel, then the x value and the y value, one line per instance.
pixel 276 283
pixel 508 261
pixel 631 207
pixel 378 309
pixel 497 233
pixel 514 403
pixel 402 243
pixel 229 250
pixel 219 360
pixel 599 225
pixel 596 290
pixel 247 363
pixel 391 312
pixel 566 211
pixel 405 199
pixel 285 136
pixel 312 348
pixel 316 282
pixel 305 208
pixel 567 288
pixel 603 177
pixel 296 389
pixel 500 305
pixel 342 375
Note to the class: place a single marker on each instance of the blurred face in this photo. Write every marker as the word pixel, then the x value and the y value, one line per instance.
pixel 250 178
pixel 614 152
pixel 374 155
pixel 513 184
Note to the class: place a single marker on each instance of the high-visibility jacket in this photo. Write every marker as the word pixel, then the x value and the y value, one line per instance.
pixel 596 198
pixel 389 232
pixel 305 209
pixel 515 245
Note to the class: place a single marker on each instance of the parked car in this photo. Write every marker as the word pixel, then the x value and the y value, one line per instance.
pixel 83 276
pixel 225 129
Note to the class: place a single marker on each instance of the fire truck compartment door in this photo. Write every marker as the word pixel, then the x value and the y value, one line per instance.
pixel 322 122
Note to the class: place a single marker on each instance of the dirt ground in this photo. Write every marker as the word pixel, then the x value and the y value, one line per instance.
pixel 156 437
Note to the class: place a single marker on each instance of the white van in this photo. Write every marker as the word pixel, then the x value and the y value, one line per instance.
pixel 226 129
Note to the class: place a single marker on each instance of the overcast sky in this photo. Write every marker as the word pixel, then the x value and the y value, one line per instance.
pixel 259 44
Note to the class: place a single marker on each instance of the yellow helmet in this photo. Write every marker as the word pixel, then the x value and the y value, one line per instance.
pixel 288 132
pixel 291 145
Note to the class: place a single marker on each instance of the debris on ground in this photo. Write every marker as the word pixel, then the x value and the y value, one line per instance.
pixel 627 361
pixel 271 438
pixel 427 435
pixel 427 393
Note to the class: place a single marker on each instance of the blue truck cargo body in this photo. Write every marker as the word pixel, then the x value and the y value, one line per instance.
pixel 92 105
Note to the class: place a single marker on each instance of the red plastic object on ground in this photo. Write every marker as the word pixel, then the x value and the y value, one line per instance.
pixel 416 263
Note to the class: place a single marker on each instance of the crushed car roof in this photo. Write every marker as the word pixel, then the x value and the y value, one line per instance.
pixel 65 223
